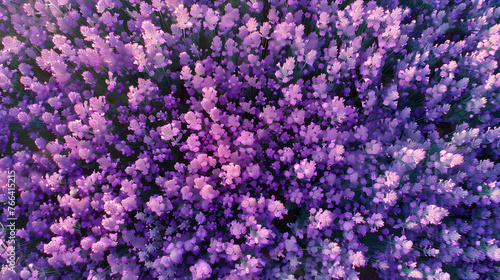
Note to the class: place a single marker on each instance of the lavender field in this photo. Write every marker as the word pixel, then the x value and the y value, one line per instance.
pixel 277 139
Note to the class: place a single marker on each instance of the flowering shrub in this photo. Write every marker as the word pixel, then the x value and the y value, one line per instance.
pixel 278 139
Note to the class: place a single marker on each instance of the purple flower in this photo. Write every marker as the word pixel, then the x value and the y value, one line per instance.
pixel 433 214
pixel 201 270
pixel 306 169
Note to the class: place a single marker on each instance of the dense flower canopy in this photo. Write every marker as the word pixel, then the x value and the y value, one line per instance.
pixel 280 139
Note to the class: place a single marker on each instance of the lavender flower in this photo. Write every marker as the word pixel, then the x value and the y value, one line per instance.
pixel 252 140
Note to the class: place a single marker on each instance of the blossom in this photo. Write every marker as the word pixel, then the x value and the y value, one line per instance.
pixel 413 156
pixel 373 147
pixel 416 274
pixel 231 172
pixel 357 259
pixel 182 17
pixel 102 245
pixel 54 246
pixel 201 270
pixel 11 44
pixel 87 242
pixel 193 120
pixel 293 94
pixel 156 204
pixel 493 252
pixel 156 126
pixel 211 18
pixel 434 214
pixel 392 178
pixel 246 138
pixel 323 219
pixel 450 159
pixel 208 193
pixel 305 169
pixel 112 208
pixel 237 229
pixel 169 131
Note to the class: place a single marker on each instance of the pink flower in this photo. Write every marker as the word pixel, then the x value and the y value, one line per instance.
pixel 84 153
pixel 262 236
pixel 151 35
pixel 233 251
pixel 232 171
pixel 293 94
pixel 98 123
pixel 277 208
pixel 237 229
pixel 193 143
pixel 80 206
pixel 373 147
pixel 413 156
pixel 450 159
pixel 228 19
pixel 208 193
pixel 11 44
pixel 434 214
pixel 193 119
pixel 156 204
pixel 54 246
pixel 211 19
pixel 246 138
pixel 25 273
pixel 416 274
pixel 137 94
pixel 392 179
pixel 357 259
pixel 66 225
pixel 130 203
pixel 112 208
pixel 169 131
pixel 142 165
pixel 201 270
pixel 182 16
pixel 391 198
pixel 305 169
pixel 102 245
pixel 493 252
pixel 323 219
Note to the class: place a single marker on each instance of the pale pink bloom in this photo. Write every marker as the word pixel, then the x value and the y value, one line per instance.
pixel 87 242
pixel 357 259
pixel 237 229
pixel 493 252
pixel 182 17
pixel 208 193
pixel 54 246
pixel 193 119
pixel 323 219
pixel 391 198
pixel 392 179
pixel 112 208
pixel 12 44
pixel 232 171
pixel 413 156
pixel 434 214
pixel 142 165
pixel 156 204
pixel 169 131
pixel 450 159
pixel 373 147
pixel 416 274
pixel 305 169
pixel 246 138
pixel 293 94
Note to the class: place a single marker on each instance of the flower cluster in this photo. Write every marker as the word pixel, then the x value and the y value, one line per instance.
pixel 276 139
